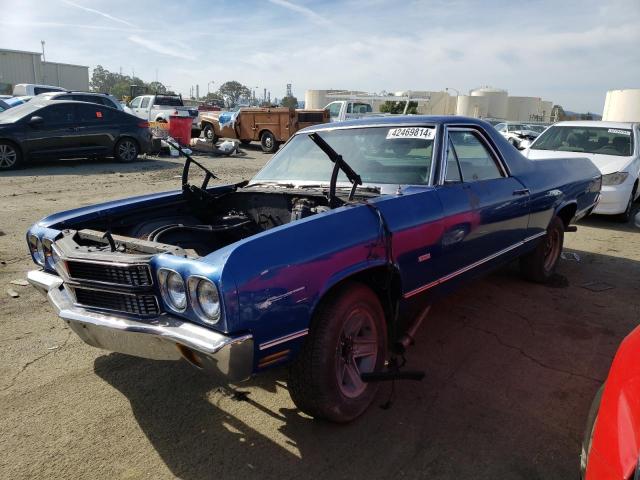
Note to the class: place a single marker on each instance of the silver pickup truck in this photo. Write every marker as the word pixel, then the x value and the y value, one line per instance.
pixel 158 108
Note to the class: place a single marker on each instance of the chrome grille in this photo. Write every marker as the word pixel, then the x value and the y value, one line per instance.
pixel 129 275
pixel 142 304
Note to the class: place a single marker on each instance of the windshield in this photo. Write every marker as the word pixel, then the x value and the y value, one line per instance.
pixel 379 155
pixel 16 113
pixel 600 140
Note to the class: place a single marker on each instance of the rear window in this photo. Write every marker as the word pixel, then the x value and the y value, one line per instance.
pixel 599 140
pixel 169 101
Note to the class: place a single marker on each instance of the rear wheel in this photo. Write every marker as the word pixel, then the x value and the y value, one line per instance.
pixel 10 156
pixel 126 150
pixel 347 337
pixel 268 142
pixel 540 265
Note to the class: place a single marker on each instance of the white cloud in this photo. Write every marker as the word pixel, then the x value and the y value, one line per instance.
pixel 164 47
pixel 307 12
pixel 98 12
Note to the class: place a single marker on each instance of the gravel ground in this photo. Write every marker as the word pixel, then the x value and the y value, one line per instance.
pixel 511 369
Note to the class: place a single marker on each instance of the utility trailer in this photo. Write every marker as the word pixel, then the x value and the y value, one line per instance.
pixel 270 126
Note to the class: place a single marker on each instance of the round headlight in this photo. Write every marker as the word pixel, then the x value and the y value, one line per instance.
pixel 208 301
pixel 173 290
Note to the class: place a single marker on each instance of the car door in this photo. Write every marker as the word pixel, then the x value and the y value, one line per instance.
pixel 56 135
pixel 485 210
pixel 97 129
pixel 135 107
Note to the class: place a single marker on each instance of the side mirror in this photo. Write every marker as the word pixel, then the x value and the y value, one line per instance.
pixel 36 121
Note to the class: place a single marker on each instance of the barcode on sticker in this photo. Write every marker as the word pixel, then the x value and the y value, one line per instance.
pixel 621 132
pixel 412 132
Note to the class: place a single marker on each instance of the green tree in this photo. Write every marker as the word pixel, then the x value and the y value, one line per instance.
pixel 398 107
pixel 289 102
pixel 233 91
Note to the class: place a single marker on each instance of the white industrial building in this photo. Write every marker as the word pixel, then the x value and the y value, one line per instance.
pixel 622 105
pixel 484 102
pixel 27 67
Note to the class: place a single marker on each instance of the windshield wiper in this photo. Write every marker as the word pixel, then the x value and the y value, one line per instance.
pixel 339 164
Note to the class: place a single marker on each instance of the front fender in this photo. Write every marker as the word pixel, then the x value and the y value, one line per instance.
pixel 282 273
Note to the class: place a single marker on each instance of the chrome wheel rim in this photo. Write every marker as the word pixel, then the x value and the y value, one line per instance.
pixel 8 156
pixel 208 133
pixel 127 151
pixel 268 142
pixel 551 249
pixel 356 353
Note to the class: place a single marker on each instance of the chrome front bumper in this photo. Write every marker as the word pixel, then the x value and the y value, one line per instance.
pixel 230 359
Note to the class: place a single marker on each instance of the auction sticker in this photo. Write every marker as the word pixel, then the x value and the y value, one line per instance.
pixel 412 132
pixel 615 130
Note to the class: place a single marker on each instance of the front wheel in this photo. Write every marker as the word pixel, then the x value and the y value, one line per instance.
pixel 268 142
pixel 126 150
pixel 540 265
pixel 347 337
pixel 625 216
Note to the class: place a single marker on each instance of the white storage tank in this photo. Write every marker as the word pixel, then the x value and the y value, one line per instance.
pixel 545 111
pixel 622 105
pixel 472 106
pixel 523 109
pixel 497 98
pixel 314 99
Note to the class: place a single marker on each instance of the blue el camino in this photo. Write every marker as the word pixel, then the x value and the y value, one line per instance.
pixel 325 259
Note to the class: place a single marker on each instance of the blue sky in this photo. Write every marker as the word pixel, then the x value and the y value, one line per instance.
pixel 570 52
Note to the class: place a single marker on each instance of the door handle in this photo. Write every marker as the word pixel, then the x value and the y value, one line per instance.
pixel 523 191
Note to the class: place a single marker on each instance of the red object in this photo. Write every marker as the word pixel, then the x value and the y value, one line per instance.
pixel 143 124
pixel 180 129
pixel 616 436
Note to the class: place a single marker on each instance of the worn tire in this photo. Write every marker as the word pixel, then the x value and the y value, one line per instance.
pixel 540 264
pixel 313 382
pixel 268 142
pixel 10 156
pixel 126 150
pixel 588 431
pixel 209 133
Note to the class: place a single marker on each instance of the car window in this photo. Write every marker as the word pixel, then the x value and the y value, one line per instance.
pixel 453 170
pixel 334 109
pixel 501 127
pixel 94 114
pixel 600 140
pixel 135 103
pixel 400 156
pixel 475 160
pixel 168 101
pixel 54 115
pixel 145 102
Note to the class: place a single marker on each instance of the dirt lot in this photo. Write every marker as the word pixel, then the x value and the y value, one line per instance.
pixel 511 370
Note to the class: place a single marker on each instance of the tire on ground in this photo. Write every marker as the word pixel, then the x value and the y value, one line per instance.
pixel 588 431
pixel 540 264
pixel 314 383
pixel 209 132
pixel 126 150
pixel 10 156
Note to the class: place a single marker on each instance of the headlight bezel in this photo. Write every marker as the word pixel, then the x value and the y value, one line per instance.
pixel 614 179
pixel 164 274
pixel 194 284
pixel 36 248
